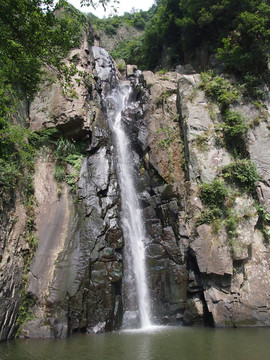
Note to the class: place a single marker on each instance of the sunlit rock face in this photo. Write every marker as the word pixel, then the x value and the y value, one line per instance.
pixel 234 290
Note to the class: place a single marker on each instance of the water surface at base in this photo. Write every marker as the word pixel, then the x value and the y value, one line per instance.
pixel 158 344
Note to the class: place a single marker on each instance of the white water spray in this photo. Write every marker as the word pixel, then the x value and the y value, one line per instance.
pixel 133 225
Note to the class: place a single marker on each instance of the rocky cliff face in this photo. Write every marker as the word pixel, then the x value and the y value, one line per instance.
pixel 197 272
pixel 232 270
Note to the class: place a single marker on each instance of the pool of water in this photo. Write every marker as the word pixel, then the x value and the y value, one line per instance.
pixel 181 343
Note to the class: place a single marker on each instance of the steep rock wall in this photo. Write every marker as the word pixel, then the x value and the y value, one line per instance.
pixel 76 275
pixel 196 274
pixel 236 290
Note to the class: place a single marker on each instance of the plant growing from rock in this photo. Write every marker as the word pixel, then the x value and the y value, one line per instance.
pixel 218 90
pixel 68 153
pixel 162 97
pixel 243 173
pixel 234 127
pixel 231 223
pixel 201 142
pixel 264 220
pixel 235 130
pixel 213 195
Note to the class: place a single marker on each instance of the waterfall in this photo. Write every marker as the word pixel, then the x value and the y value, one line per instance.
pixel 132 221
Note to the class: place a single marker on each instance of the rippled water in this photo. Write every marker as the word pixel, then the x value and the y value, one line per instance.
pixel 166 343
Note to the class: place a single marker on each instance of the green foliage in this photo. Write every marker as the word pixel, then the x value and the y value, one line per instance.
pixel 59 172
pixel 165 143
pixel 201 142
pixel 68 152
pixel 121 65
pixel 35 34
pixel 263 213
pixel 264 220
pixel 162 97
pixel 234 125
pixel 235 129
pixel 27 301
pixel 130 50
pixel 24 312
pixel 218 90
pixel 237 32
pixel 110 25
pixel 231 224
pixel 209 216
pixel 17 153
pixel 213 194
pixel 106 4
pixel 252 87
pixel 242 173
pixel 245 47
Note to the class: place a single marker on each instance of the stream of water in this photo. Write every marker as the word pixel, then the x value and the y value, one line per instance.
pixel 132 221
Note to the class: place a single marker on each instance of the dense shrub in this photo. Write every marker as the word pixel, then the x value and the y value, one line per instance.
pixel 235 129
pixel 242 173
pixel 219 90
pixel 213 194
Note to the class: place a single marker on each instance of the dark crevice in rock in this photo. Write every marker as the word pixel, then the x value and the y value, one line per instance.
pixel 208 319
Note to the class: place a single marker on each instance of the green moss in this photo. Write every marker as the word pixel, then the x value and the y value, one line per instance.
pixel 245 323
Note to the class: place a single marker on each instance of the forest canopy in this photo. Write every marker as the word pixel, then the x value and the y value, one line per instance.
pixel 236 32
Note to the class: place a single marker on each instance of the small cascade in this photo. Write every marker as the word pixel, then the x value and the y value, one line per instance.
pixel 132 222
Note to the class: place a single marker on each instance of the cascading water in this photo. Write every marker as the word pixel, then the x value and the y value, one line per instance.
pixel 132 222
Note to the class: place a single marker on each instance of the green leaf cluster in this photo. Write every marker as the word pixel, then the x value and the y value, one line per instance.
pixel 18 146
pixel 110 25
pixel 242 172
pixel 235 130
pixel 35 34
pixel 233 125
pixel 213 194
pixel 219 90
pixel 68 153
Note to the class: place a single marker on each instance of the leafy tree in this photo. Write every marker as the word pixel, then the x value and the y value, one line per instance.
pixel 245 48
pixel 33 34
pixel 238 32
